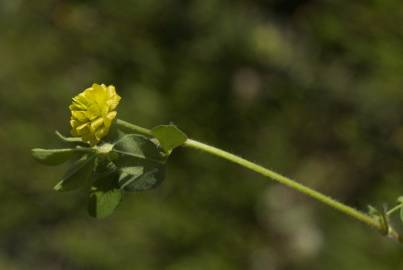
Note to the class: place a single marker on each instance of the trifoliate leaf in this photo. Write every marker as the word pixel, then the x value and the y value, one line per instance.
pixel 140 163
pixel 104 168
pixel 128 174
pixel 142 177
pixel 105 196
pixel 78 175
pixel 139 147
pixel 53 156
pixel 169 137
pixel 104 203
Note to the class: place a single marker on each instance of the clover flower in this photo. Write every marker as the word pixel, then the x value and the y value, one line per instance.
pixel 93 111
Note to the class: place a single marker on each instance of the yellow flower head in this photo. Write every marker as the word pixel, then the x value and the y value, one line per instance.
pixel 93 111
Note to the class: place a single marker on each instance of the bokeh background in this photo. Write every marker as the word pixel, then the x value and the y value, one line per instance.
pixel 312 89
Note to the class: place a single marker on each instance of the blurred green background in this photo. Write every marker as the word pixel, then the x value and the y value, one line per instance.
pixel 312 89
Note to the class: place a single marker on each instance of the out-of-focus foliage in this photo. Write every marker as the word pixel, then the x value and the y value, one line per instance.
pixel 313 89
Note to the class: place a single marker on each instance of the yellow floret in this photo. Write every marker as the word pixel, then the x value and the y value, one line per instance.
pixel 93 111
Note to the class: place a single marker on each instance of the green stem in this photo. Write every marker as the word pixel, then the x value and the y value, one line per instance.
pixel 285 181
pixel 361 216
pixel 394 209
pixel 131 127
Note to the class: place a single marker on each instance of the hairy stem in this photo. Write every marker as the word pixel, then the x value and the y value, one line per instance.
pixel 354 213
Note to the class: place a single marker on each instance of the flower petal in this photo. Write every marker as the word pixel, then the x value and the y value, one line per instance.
pixel 93 111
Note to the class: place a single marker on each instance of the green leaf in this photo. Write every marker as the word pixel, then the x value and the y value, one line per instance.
pixel 105 196
pixel 169 136
pixel 400 199
pixel 141 178
pixel 78 175
pixel 139 147
pixel 104 203
pixel 53 156
pixel 104 168
pixel 401 214
pixel 140 163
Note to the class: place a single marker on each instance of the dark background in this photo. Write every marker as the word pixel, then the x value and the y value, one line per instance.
pixel 312 89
